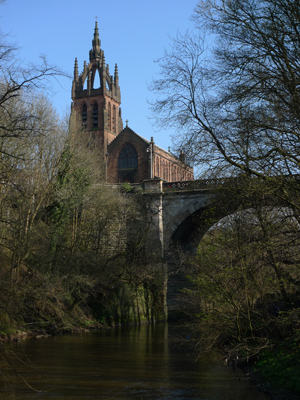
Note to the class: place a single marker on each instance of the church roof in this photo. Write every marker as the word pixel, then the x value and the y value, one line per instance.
pixel 146 141
pixel 129 130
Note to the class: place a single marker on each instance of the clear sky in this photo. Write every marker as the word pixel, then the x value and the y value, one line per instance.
pixel 133 34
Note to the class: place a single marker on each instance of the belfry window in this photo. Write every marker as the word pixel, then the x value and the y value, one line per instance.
pixel 128 157
pixel 84 115
pixel 95 116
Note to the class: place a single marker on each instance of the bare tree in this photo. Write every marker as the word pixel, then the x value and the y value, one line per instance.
pixel 245 281
pixel 30 173
pixel 20 81
pixel 232 88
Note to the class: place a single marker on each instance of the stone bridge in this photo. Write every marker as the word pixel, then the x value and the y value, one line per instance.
pixel 175 209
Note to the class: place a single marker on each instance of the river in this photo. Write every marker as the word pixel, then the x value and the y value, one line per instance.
pixel 122 363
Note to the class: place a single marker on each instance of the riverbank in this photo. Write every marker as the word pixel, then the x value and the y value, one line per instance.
pixel 51 330
pixel 274 393
pixel 277 372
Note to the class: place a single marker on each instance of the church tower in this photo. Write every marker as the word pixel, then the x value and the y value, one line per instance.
pixel 96 95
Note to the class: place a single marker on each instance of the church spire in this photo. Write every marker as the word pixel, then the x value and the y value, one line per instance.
pixel 116 75
pixel 99 92
pixel 95 52
pixel 76 70
pixel 96 41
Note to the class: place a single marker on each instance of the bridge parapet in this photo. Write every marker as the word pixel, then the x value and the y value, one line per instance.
pixel 153 185
pixel 193 185
pixel 159 186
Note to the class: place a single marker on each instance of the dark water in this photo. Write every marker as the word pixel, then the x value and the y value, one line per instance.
pixel 130 363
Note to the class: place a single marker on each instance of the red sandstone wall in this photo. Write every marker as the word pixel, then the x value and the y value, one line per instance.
pixel 165 165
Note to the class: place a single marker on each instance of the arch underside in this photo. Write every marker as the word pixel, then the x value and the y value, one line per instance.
pixel 184 237
pixel 184 241
pixel 190 224
pixel 182 218
pixel 189 233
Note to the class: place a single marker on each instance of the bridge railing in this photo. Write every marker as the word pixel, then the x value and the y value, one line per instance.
pixel 192 185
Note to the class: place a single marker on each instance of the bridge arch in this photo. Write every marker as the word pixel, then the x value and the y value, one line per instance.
pixel 180 213
pixel 184 214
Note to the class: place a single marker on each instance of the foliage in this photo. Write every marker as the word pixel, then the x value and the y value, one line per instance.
pixel 281 367
pixel 245 281
pixel 63 241
pixel 126 187
pixel 66 260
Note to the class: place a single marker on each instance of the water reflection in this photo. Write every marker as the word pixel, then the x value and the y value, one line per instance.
pixel 128 363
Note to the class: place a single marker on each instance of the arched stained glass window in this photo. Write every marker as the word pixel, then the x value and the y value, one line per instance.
pixel 128 157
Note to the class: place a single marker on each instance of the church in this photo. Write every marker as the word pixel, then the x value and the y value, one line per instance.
pixel 129 157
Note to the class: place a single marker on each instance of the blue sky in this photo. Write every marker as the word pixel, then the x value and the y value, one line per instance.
pixel 133 34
